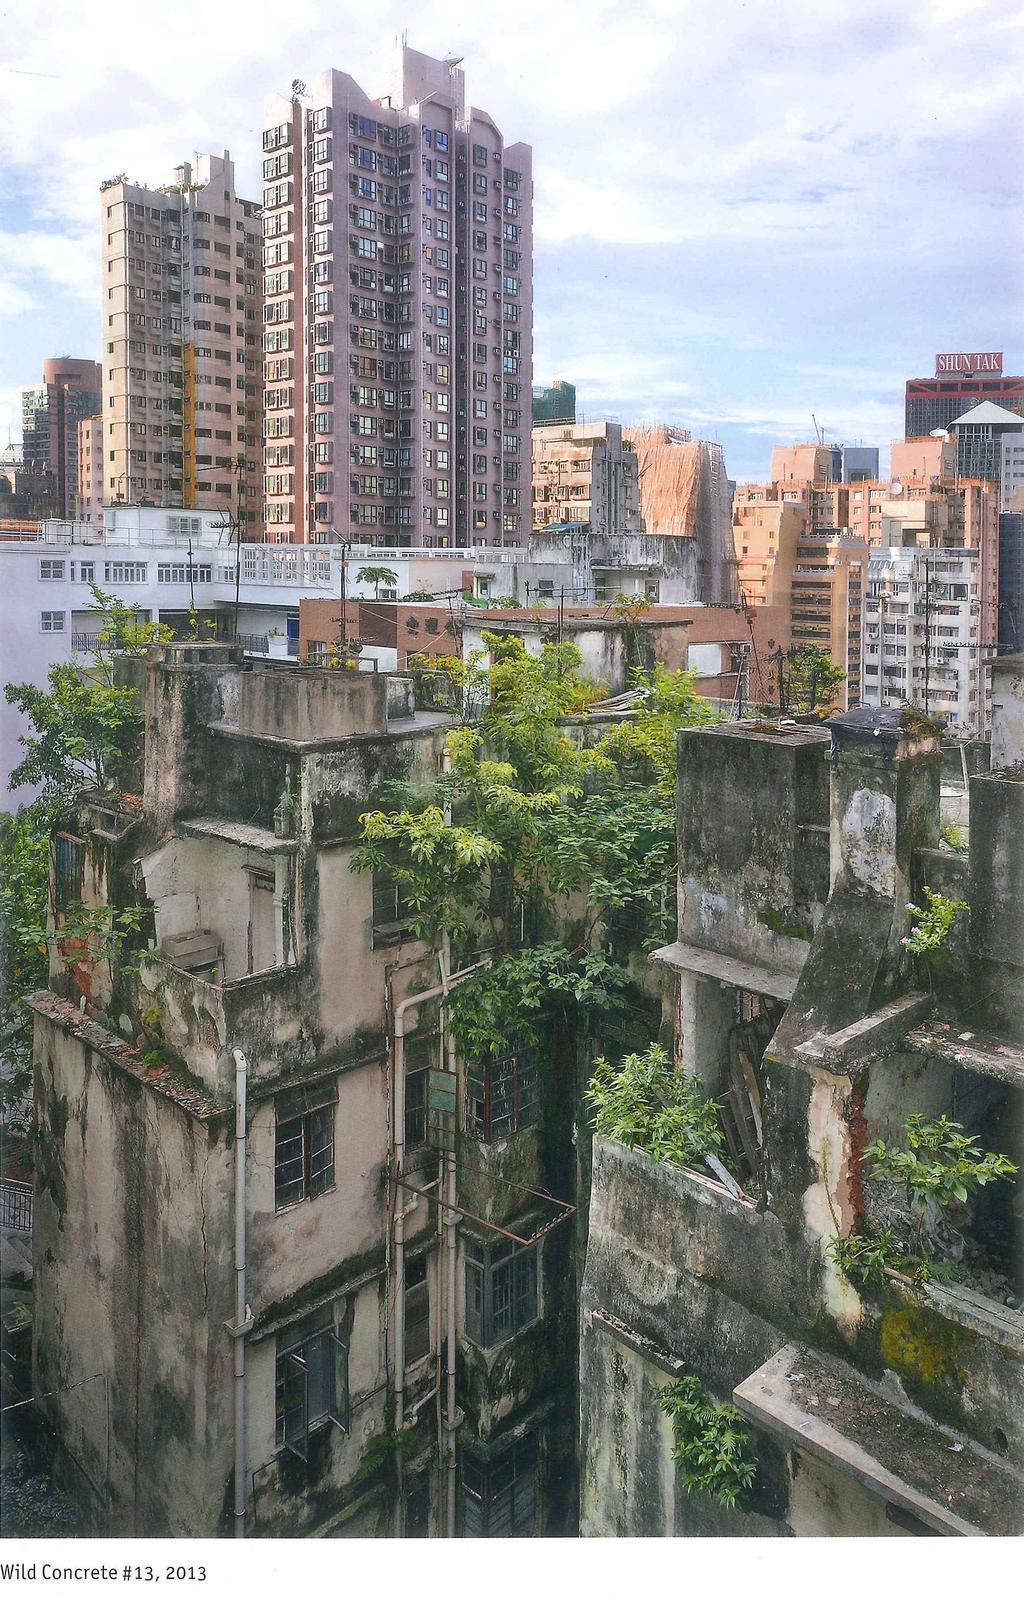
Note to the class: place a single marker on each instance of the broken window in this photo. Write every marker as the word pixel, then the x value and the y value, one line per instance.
pixel 501 1096
pixel 67 877
pixel 312 1380
pixel 499 1493
pixel 417 1309
pixel 501 1290
pixel 304 1143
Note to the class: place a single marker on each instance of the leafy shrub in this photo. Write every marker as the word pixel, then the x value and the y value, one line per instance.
pixel 933 923
pixel 938 1161
pixel 644 1103
pixel 711 1442
pixel 866 1255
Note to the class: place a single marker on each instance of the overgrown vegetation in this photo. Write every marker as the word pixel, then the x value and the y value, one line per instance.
pixel 940 1167
pixel 644 1103
pixel 808 680
pixel 710 1441
pixel 866 1255
pixel 955 837
pixel 932 922
pixel 84 732
pixel 554 852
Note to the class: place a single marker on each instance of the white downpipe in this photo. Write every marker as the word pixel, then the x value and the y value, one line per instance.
pixel 398 1166
pixel 241 1309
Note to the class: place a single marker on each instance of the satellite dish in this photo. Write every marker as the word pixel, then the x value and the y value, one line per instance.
pixel 896 487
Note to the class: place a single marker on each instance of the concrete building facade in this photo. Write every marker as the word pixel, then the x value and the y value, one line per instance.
pixel 398 339
pixel 181 326
pixel 889 1409
pixel 554 402
pixel 70 392
pixel 960 382
pixel 88 505
pixel 685 493
pixel 925 641
pixel 587 473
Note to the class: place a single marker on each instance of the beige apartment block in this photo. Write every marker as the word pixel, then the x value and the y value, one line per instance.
pixel 181 326
pixel 585 473
pixel 802 463
pixel 89 499
pixel 398 335
pixel 925 459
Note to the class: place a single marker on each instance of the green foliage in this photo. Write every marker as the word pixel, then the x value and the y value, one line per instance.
pixel 85 727
pixel 437 866
pixel 620 848
pixel 710 1441
pixel 933 923
pixel 955 837
pixel 937 1161
pixel 643 749
pixel 24 866
pixel 380 576
pixel 809 679
pixel 865 1256
pixel 420 596
pixel 644 1103
pixel 502 1006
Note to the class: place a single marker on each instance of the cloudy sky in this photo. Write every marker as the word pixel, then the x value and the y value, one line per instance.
pixel 747 210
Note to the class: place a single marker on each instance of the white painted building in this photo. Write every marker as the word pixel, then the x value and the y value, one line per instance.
pixel 922 634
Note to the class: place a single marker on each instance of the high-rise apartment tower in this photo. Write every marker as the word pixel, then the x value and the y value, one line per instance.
pixel 181 331
pixel 70 392
pixel 398 331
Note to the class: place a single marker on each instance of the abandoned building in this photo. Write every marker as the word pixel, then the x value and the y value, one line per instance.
pixel 889 1408
pixel 295 1272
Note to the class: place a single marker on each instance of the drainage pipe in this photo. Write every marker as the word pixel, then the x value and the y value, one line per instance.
pixel 241 1308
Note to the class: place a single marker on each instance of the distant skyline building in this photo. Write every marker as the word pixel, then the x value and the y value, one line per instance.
pixel 181 330
pixel 960 382
pixel 685 493
pixel 980 434
pixel 70 392
pixel 398 338
pixel 554 402
pixel 585 473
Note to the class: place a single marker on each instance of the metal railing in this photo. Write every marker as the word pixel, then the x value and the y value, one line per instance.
pixel 16 1206
pixel 254 642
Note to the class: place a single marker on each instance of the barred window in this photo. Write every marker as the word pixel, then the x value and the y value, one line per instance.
pixel 500 1492
pixel 501 1290
pixel 311 1380
pixel 67 875
pixel 501 1096
pixel 304 1143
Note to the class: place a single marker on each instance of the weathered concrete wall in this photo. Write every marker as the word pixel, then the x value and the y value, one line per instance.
pixel 130 1288
pixel 1007 710
pixel 752 811
pixel 305 705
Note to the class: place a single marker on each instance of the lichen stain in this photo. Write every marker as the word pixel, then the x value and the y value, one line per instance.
pixel 910 1342
pixel 868 828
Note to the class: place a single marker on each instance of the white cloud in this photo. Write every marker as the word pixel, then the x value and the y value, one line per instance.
pixel 756 206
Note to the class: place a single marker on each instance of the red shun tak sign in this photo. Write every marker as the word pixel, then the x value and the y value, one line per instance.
pixel 945 364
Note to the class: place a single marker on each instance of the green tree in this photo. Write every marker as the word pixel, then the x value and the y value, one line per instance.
pixel 85 726
pixel 380 576
pixel 809 679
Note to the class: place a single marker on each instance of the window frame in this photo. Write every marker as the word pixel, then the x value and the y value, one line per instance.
pixel 517 1088
pixel 483 1486
pixel 312 1109
pixel 293 1421
pixel 502 1290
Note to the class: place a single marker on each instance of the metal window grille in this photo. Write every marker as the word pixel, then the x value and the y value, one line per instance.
pixel 501 1291
pixel 417 1310
pixel 311 1388
pixel 304 1144
pixel 500 1493
pixel 67 879
pixel 501 1096
pixel 16 1206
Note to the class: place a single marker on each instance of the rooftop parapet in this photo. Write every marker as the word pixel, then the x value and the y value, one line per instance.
pixel 311 706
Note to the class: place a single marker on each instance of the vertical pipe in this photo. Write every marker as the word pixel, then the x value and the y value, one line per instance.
pixel 241 1069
